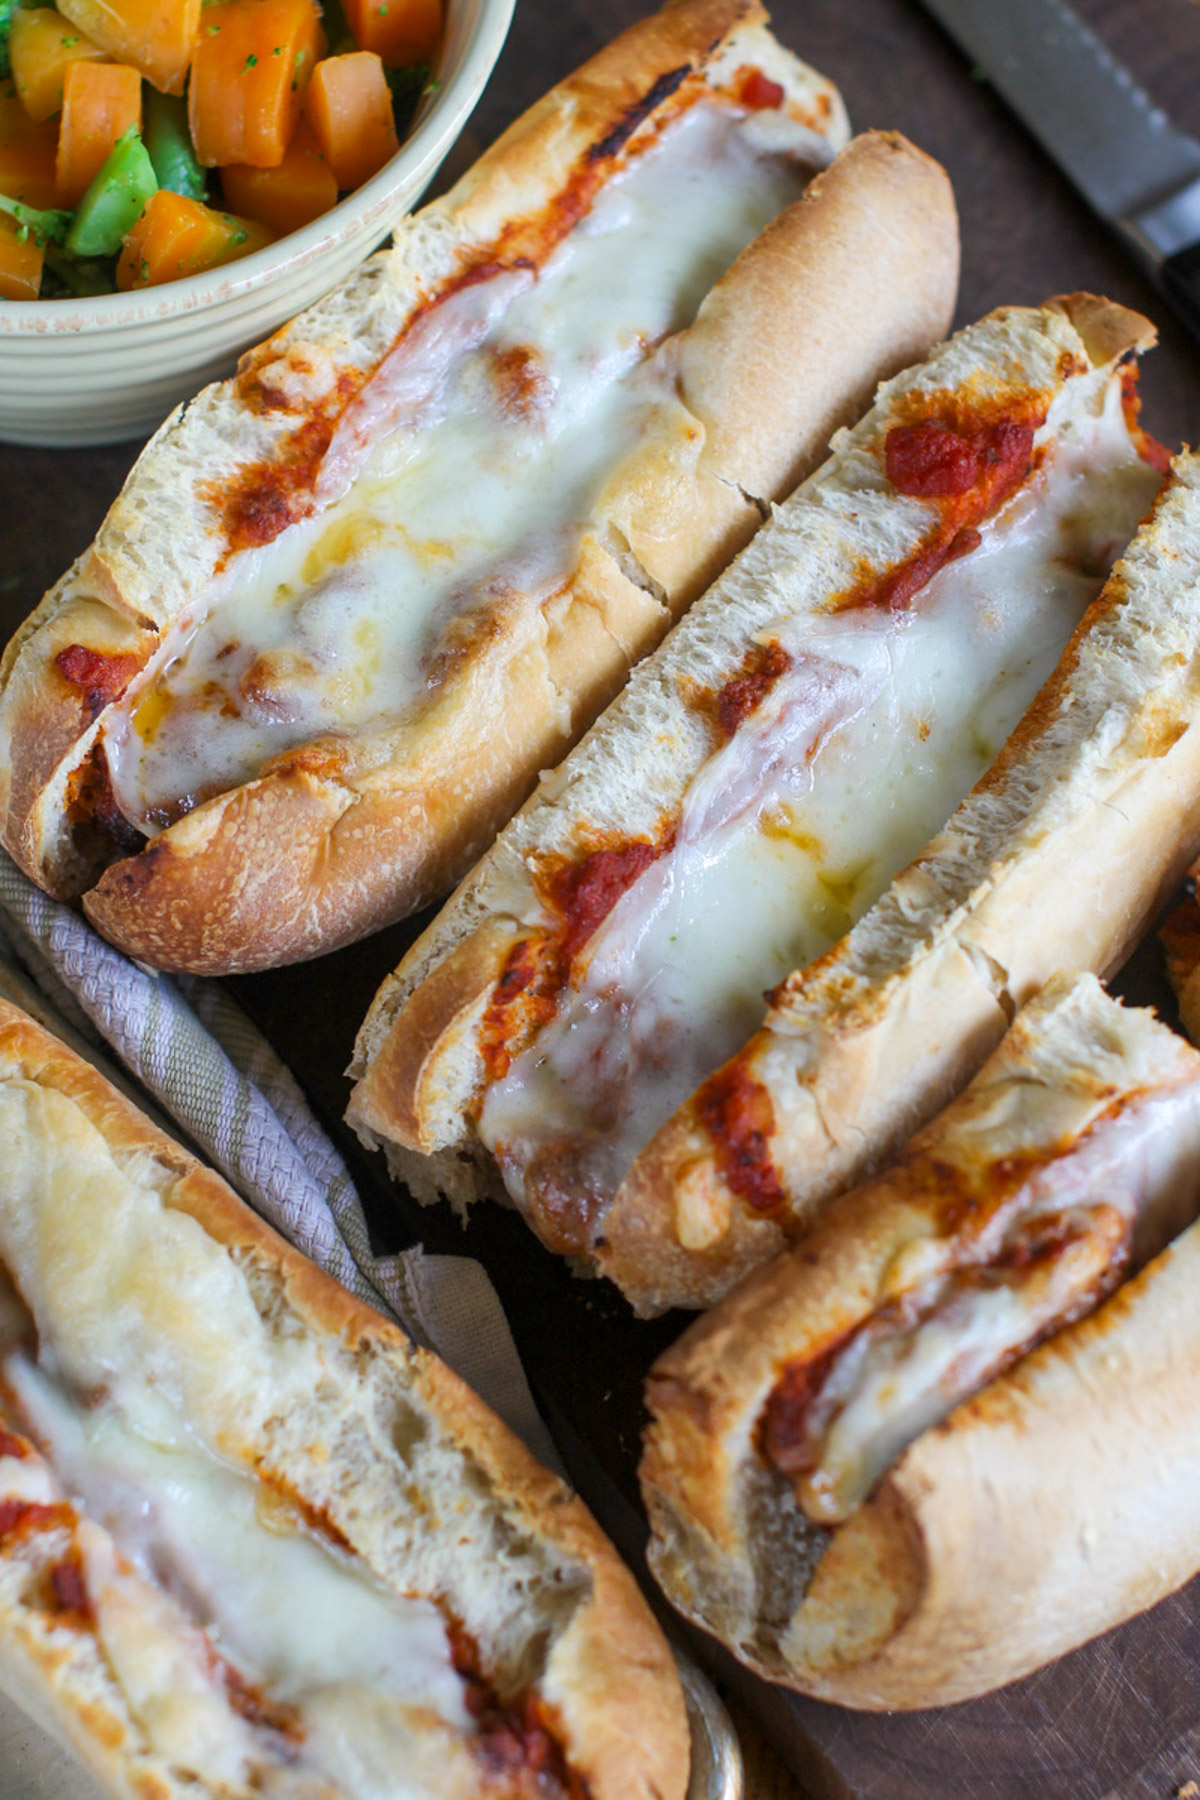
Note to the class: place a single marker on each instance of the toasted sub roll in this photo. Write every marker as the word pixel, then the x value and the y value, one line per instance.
pixel 349 603
pixel 251 1540
pixel 808 727
pixel 932 1448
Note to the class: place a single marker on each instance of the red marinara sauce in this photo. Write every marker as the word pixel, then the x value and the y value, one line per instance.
pixel 757 90
pixel 99 677
pixel 737 1113
pixel 521 1738
pixel 788 1439
pixel 584 893
pixel 524 999
pixel 761 669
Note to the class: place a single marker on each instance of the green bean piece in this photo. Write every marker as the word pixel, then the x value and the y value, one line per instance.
pixel 43 225
pixel 169 143
pixel 113 203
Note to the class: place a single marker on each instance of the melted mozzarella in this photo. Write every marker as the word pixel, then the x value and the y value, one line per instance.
pixel 515 400
pixel 857 756
pixel 1137 1165
pixel 139 1309
pixel 290 1612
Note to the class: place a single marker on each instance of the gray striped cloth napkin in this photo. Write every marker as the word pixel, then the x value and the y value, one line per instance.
pixel 222 1088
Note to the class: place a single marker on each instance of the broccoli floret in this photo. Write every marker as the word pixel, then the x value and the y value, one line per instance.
pixel 44 226
pixel 6 13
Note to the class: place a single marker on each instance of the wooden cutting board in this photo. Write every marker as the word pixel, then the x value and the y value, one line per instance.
pixel 1120 1719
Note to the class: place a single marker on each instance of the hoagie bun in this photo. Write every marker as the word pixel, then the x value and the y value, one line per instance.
pixel 844 1484
pixel 349 603
pixel 808 727
pixel 251 1540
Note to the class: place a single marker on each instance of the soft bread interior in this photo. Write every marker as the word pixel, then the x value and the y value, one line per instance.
pixel 1084 1100
pixel 160 1309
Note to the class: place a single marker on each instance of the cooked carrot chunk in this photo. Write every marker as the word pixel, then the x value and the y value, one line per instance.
pixel 399 31
pixel 20 261
pixel 294 194
pixel 153 36
pixel 176 236
pixel 42 46
pixel 100 103
pixel 252 64
pixel 349 107
pixel 26 152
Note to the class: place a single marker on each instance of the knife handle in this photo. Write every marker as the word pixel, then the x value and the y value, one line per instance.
pixel 1179 278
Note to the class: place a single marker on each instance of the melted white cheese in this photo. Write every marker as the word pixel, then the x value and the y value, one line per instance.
pixel 1139 1162
pixel 291 1613
pixel 514 402
pixel 139 1310
pixel 856 757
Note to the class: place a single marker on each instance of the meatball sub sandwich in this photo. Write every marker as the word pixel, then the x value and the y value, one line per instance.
pixel 254 1543
pixel 559 1032
pixel 349 603
pixel 954 1432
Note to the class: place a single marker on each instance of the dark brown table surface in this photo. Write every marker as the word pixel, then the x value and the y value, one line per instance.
pixel 1120 1718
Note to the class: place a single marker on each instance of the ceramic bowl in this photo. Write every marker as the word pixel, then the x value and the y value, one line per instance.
pixel 101 370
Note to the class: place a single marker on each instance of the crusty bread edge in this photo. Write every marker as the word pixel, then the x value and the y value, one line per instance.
pixel 1019 1528
pixel 863 1047
pixel 610 1678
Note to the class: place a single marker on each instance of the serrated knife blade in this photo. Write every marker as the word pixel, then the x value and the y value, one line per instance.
pixel 1132 166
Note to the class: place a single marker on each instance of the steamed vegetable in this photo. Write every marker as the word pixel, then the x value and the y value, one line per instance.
pixel 349 107
pixel 42 46
pixel 170 146
pixel 21 259
pixel 250 70
pixel 154 37
pixel 398 31
pixel 295 193
pixel 113 203
pixel 101 102
pixel 27 152
pixel 176 236
pixel 46 225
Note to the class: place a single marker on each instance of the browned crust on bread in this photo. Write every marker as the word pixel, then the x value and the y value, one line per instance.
pixel 883 202
pixel 439 1025
pixel 861 1049
pixel 1105 1406
pixel 876 234
pixel 565 662
pixel 677 1235
pixel 1052 1484
pixel 609 1679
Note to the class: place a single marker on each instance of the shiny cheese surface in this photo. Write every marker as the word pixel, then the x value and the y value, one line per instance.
pixel 152 1360
pixel 516 399
pixel 1130 1181
pixel 853 760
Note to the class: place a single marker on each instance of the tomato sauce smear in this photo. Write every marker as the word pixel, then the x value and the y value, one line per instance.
pixel 524 999
pixel 737 1113
pixel 788 1439
pixel 520 1739
pixel 970 469
pixel 96 675
pixel 584 893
